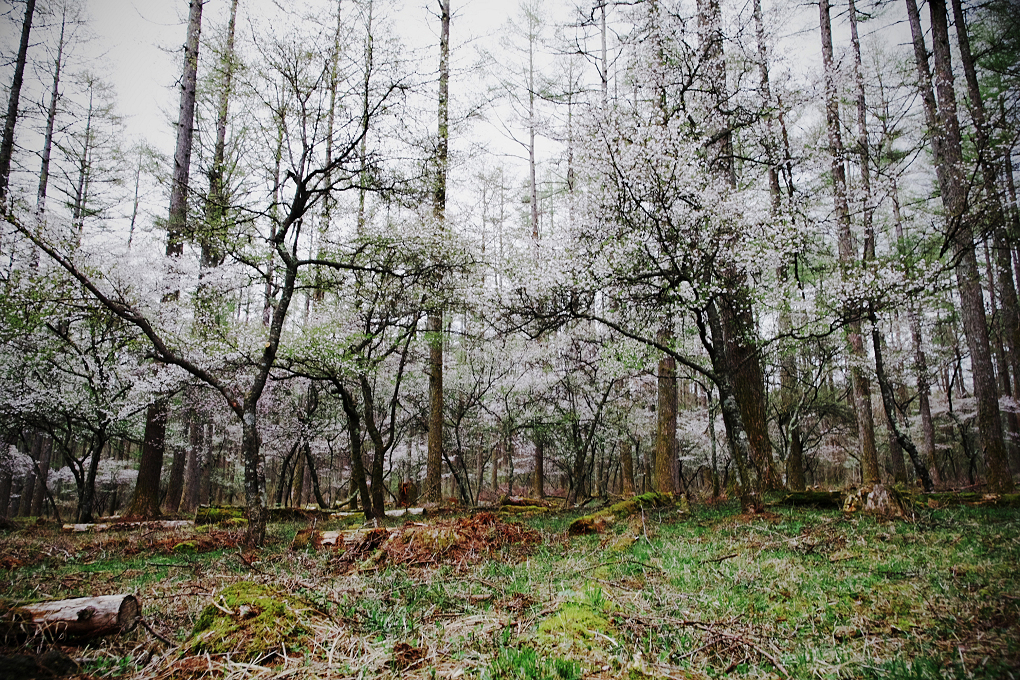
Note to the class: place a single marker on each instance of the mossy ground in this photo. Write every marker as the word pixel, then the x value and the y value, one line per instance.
pixel 705 594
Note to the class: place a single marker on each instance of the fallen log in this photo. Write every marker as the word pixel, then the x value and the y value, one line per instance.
pixel 81 618
pixel 598 522
pixel 99 527
pixel 947 499
pixel 812 499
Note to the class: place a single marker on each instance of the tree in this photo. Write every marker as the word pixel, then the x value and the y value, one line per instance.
pixel 959 236
pixel 847 255
pixel 145 502
pixel 432 492
pixel 7 142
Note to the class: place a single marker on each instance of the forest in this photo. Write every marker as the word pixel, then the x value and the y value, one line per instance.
pixel 707 254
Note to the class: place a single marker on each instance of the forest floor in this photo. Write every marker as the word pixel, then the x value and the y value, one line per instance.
pixel 708 593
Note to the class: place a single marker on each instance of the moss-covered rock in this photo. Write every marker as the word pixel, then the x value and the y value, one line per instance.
pixel 185 547
pixel 250 621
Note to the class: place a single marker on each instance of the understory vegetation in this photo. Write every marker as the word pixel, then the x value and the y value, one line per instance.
pixel 703 593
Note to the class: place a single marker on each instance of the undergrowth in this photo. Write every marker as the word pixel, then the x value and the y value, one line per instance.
pixel 702 594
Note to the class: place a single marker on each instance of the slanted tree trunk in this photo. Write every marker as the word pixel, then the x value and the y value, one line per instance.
pixel 995 216
pixel 739 329
pixel 890 410
pixel 314 475
pixel 7 143
pixel 358 478
pixel 740 448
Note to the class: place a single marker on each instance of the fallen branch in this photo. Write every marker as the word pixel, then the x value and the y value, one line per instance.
pixel 155 525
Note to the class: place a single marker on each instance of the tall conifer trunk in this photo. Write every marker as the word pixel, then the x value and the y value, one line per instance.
pixel 847 255
pixel 960 238
pixel 432 492
pixel 7 143
pixel 145 502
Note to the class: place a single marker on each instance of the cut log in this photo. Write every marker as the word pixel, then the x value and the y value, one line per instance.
pixel 167 525
pixel 81 618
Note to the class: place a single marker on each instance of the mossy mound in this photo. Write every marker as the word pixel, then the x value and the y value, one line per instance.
pixel 251 621
pixel 217 515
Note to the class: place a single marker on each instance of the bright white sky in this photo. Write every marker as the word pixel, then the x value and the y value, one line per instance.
pixel 140 43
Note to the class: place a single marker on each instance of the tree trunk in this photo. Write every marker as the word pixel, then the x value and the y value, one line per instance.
pixel 175 485
pixel 627 464
pixel 193 469
pixel 216 207
pixel 254 478
pixel 177 223
pixel 145 502
pixel 87 497
pixel 42 475
pixel 890 411
pixel 358 478
pixel 740 448
pixel 665 418
pixel 433 475
pixel 28 485
pixel 51 116
pixel 960 236
pixel 847 255
pixel 314 476
pixel 995 216
pixel 7 144
pixel 538 487
pixel 739 332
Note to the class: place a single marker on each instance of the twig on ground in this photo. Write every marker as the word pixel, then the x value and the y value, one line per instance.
pixel 146 626
pixel 719 559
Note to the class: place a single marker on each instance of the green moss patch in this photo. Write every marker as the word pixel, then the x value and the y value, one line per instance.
pixel 217 515
pixel 251 621
pixel 579 626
